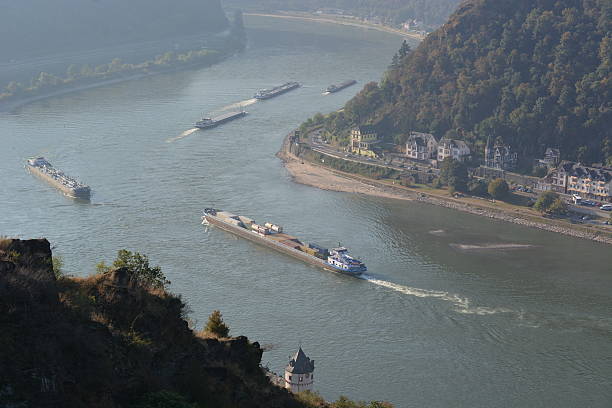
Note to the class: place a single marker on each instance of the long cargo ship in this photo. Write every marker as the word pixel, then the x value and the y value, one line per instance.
pixel 339 87
pixel 58 179
pixel 272 236
pixel 278 90
pixel 206 123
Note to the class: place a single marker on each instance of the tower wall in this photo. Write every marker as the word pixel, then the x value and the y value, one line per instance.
pixel 299 382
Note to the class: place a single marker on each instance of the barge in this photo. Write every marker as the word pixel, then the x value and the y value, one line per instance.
pixel 206 123
pixel 71 187
pixel 272 236
pixel 276 91
pixel 339 87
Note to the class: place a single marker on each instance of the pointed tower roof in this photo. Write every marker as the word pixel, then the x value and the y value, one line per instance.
pixel 300 364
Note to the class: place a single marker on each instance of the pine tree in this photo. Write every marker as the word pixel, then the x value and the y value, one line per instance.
pixel 216 325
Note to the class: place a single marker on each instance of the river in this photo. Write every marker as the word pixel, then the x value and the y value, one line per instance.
pixel 445 318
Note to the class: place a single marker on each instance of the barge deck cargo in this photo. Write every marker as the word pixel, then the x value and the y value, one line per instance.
pixel 339 87
pixel 271 235
pixel 276 91
pixel 71 187
pixel 206 123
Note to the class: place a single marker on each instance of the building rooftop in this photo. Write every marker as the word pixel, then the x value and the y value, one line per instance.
pixel 366 129
pixel 300 364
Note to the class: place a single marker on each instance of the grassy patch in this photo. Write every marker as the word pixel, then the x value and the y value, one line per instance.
pixel 362 169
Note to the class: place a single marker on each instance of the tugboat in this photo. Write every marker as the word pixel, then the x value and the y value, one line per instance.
pixel 278 90
pixel 341 261
pixel 206 123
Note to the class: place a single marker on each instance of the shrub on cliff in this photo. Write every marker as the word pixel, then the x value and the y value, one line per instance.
pixel 216 326
pixel 138 266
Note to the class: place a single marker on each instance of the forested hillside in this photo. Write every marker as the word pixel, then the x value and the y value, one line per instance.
pixel 432 12
pixel 42 27
pixel 536 73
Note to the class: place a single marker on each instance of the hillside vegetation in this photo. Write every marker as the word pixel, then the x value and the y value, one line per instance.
pixel 41 27
pixel 535 73
pixel 432 12
pixel 118 339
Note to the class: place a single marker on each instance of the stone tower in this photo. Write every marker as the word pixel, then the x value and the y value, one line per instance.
pixel 299 373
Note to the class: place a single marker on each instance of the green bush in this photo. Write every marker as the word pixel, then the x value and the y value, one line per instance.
pixel 478 187
pixel 498 189
pixel 545 202
pixel 138 266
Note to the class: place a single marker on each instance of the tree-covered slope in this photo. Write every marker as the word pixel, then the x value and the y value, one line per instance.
pixel 42 27
pixel 536 73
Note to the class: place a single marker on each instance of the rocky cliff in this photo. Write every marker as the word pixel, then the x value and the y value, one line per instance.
pixel 107 341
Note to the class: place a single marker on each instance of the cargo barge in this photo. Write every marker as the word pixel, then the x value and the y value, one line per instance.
pixel 339 87
pixel 272 236
pixel 58 179
pixel 206 123
pixel 276 91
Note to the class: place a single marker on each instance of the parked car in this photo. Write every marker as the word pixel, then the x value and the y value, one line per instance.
pixel 606 207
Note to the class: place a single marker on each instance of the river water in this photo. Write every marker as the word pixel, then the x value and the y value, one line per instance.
pixel 439 321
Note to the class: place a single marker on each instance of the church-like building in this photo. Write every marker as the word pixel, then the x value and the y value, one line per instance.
pixel 500 156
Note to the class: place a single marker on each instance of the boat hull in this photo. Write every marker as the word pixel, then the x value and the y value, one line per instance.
pixel 340 87
pixel 220 121
pixel 84 194
pixel 262 240
pixel 277 93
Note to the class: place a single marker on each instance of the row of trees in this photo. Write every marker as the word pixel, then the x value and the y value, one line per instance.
pixel 454 175
pixel 76 75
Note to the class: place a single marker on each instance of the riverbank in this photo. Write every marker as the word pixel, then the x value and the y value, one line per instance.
pixel 11 105
pixel 322 177
pixel 340 21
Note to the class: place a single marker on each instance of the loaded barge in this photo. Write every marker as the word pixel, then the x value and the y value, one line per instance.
pixel 272 236
pixel 206 123
pixel 339 87
pixel 276 91
pixel 58 179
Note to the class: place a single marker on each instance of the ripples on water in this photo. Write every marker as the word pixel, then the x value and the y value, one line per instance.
pixel 529 325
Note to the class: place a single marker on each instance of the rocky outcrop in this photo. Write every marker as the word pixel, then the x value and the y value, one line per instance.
pixel 105 341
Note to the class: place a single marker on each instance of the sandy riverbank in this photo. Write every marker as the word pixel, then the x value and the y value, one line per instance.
pixel 316 176
pixel 340 21
pixel 324 178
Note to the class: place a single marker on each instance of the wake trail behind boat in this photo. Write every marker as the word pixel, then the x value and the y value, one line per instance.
pixel 597 324
pixel 182 135
pixel 239 105
pixel 422 293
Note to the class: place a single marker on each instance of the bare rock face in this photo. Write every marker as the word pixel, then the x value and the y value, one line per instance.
pixel 31 259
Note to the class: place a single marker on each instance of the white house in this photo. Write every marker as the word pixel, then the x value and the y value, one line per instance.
pixel 421 146
pixel 299 373
pixel 456 149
